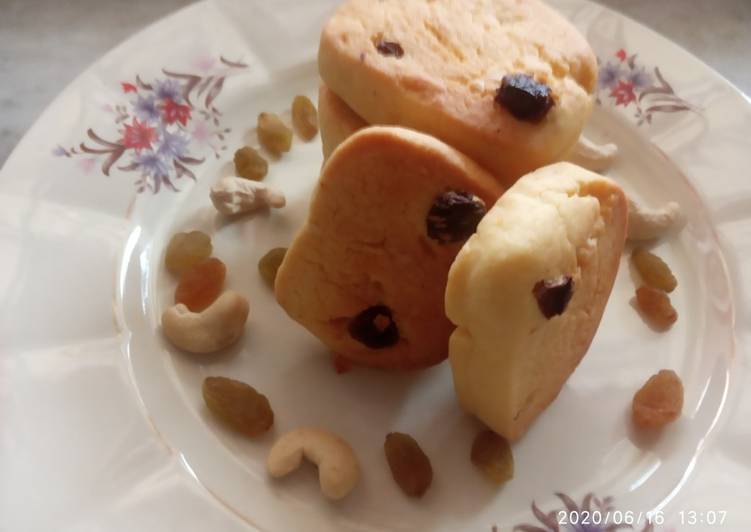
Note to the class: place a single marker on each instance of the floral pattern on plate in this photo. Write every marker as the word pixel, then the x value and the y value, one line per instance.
pixel 626 82
pixel 165 127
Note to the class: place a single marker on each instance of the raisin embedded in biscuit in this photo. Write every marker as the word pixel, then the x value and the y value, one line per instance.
pixel 374 327
pixel 524 97
pixel 388 48
pixel 553 295
pixel 454 216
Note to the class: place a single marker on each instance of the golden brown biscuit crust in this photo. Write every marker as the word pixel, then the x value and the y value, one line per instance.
pixel 455 53
pixel 365 244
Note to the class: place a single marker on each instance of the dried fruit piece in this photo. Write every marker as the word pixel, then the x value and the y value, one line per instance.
pixel 250 164
pixel 553 295
pixel 656 307
pixel 185 250
pixel 491 453
pixel 655 272
pixel 238 404
pixel 524 97
pixel 659 401
pixel 304 117
pixel 409 465
pixel 269 265
pixel 374 327
pixel 201 285
pixel 389 48
pixel 273 134
pixel 454 216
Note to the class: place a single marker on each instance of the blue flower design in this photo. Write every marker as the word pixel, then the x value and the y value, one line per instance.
pixel 610 74
pixel 151 165
pixel 146 109
pixel 640 78
pixel 172 145
pixel 168 89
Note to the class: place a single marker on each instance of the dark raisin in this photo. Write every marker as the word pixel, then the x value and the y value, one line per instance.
pixel 374 327
pixel 389 48
pixel 553 295
pixel 524 97
pixel 454 216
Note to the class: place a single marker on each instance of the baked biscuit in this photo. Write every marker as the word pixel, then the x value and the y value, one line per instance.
pixel 527 292
pixel 366 274
pixel 438 67
pixel 336 120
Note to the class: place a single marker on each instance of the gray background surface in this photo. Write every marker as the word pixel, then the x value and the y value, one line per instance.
pixel 45 44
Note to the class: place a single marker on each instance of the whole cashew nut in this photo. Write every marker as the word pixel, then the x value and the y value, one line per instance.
pixel 338 468
pixel 646 224
pixel 218 326
pixel 594 157
pixel 235 195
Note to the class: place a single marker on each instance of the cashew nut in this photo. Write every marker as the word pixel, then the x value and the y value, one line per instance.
pixel 218 326
pixel 235 195
pixel 646 224
pixel 338 468
pixel 594 157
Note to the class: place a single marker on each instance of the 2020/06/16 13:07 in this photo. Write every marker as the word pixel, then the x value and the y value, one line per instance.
pixel 618 517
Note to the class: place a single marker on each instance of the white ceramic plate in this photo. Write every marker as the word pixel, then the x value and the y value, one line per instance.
pixel 102 423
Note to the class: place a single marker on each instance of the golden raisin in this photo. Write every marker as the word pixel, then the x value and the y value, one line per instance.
pixel 304 117
pixel 185 250
pixel 273 134
pixel 201 285
pixel 409 465
pixel 238 404
pixel 659 401
pixel 491 453
pixel 656 307
pixel 250 165
pixel 655 272
pixel 269 265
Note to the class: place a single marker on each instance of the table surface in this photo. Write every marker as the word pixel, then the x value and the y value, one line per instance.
pixel 45 44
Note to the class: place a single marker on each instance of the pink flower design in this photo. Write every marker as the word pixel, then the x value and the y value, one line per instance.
pixel 173 112
pixel 128 87
pixel 138 136
pixel 623 93
pixel 621 54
